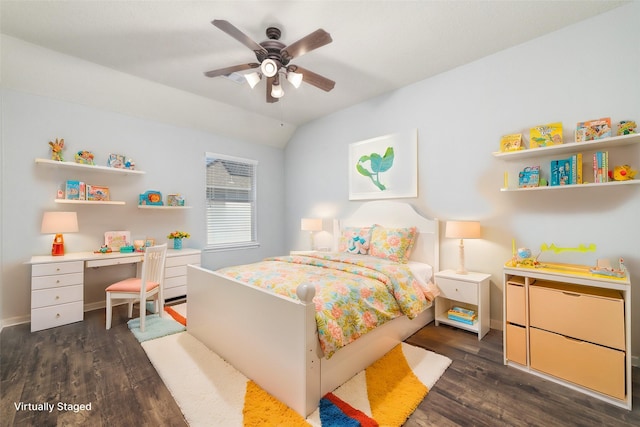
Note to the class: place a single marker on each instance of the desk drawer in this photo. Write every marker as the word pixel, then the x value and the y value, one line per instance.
pixel 115 261
pixel 53 296
pixel 598 368
pixel 57 268
pixel 457 290
pixel 182 260
pixel 57 280
pixel 579 312
pixel 56 315
pixel 180 270
pixel 173 282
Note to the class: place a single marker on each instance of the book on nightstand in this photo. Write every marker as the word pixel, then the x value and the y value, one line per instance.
pixel 463 315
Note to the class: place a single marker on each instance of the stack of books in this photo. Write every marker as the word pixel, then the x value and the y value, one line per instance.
pixel 567 171
pixel 463 315
pixel 601 166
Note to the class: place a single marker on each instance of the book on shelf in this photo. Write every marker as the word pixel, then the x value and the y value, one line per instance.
pixel 74 190
pixel 576 169
pixel 545 135
pixel 567 171
pixel 529 177
pixel 98 193
pixel 601 166
pixel 511 142
pixel 593 129
pixel 560 172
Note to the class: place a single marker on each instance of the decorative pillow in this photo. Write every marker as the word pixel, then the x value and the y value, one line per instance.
pixel 355 240
pixel 392 243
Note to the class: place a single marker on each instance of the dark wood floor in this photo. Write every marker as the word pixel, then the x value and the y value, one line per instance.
pixel 478 390
pixel 83 363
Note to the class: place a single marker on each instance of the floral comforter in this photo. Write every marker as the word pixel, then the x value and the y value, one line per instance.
pixel 354 293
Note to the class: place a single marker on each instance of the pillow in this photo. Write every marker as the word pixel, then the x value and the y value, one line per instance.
pixel 394 244
pixel 355 240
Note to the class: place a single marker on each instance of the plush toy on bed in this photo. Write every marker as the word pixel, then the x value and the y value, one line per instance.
pixel 622 173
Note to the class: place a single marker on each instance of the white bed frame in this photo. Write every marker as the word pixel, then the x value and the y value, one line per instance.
pixel 273 339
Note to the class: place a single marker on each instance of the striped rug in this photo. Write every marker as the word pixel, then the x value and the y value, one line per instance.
pixel 210 392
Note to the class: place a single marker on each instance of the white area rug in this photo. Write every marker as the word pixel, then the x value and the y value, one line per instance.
pixel 210 392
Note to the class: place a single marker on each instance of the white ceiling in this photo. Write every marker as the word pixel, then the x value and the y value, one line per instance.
pixel 378 46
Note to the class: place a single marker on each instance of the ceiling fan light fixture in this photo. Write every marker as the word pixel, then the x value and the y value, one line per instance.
pixel 253 79
pixel 294 78
pixel 269 67
pixel 276 90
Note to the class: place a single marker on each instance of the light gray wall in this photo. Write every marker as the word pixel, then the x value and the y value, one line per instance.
pixel 171 156
pixel 586 71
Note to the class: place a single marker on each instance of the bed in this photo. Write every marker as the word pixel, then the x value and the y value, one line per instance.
pixel 273 339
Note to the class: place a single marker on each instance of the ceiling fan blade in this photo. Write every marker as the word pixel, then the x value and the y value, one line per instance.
pixel 270 98
pixel 228 70
pixel 312 78
pixel 234 32
pixel 306 44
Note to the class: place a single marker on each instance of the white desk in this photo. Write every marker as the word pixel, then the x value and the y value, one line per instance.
pixel 57 282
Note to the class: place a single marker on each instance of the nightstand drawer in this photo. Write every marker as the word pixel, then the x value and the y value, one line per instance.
pixel 458 290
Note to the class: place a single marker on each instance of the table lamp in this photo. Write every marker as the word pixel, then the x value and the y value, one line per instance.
pixel 311 225
pixel 58 223
pixel 462 230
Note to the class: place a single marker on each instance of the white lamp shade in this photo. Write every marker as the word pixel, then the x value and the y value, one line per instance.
pixel 269 67
pixel 253 79
pixel 311 224
pixel 276 91
pixel 463 229
pixel 59 222
pixel 295 79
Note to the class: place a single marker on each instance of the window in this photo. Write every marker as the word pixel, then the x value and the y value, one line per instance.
pixel 231 202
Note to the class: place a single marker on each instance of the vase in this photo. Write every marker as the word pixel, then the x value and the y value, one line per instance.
pixel 177 243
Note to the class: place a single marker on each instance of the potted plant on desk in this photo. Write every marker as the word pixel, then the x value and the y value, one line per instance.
pixel 177 237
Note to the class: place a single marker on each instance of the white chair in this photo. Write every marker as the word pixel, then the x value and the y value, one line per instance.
pixel 132 290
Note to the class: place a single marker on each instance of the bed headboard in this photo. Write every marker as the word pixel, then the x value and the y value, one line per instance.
pixel 398 214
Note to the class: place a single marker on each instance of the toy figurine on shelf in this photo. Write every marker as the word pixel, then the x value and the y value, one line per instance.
pixel 56 150
pixel 84 157
pixel 622 173
pixel 604 268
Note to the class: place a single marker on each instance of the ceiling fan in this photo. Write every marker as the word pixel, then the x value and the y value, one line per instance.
pixel 274 60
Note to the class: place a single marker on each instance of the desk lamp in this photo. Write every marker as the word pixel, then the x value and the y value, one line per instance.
pixel 462 230
pixel 58 223
pixel 311 225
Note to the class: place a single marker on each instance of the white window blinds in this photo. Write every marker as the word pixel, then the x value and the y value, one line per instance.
pixel 231 201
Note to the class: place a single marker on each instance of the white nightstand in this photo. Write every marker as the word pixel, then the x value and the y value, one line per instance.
pixel 470 291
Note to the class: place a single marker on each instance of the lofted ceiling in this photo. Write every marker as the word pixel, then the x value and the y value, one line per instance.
pixel 378 46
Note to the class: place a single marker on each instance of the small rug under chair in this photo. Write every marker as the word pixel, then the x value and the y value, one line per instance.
pixel 155 327
pixel 210 392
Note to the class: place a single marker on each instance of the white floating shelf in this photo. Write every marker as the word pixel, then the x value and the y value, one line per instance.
pixel 89 202
pixel 92 168
pixel 168 208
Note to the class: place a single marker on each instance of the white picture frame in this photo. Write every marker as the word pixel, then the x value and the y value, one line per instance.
pixel 384 167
